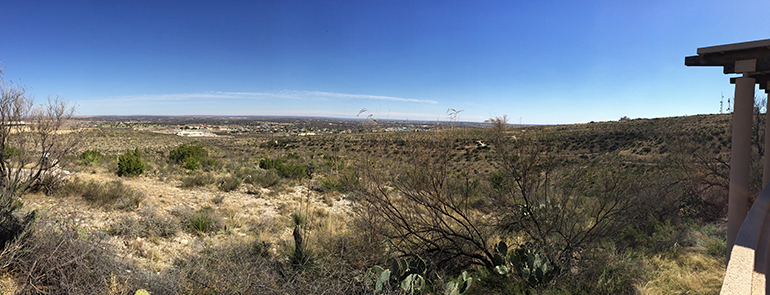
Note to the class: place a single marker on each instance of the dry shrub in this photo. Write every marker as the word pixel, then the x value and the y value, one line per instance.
pixel 370 240
pixel 156 224
pixel 57 257
pixel 422 208
pixel 151 224
pixel 127 226
pixel 228 184
pixel 200 179
pixel 111 195
pixel 50 182
pixel 236 267
pixel 243 266
pixel 606 270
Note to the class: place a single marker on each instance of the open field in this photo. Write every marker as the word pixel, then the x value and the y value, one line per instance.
pixel 604 208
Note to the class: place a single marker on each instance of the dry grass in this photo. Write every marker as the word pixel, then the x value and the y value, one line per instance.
pixel 342 239
pixel 685 273
pixel 7 284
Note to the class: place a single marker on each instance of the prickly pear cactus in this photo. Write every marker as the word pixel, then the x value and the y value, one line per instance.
pixel 410 277
pixel 460 285
pixel 532 267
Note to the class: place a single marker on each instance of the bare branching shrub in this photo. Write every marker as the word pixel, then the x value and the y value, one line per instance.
pixel 56 257
pixel 499 124
pixel 563 208
pixel 429 211
pixel 34 139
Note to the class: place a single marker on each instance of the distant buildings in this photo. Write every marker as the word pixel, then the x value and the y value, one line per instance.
pixel 14 123
pixel 195 134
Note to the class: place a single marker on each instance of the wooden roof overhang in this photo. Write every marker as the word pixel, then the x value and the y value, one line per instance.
pixel 751 58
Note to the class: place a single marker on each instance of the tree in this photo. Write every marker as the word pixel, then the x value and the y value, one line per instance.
pixel 34 138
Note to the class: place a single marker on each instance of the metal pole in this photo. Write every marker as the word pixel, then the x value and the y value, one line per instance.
pixel 766 166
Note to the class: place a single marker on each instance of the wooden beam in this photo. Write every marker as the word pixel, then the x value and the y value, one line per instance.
pixel 734 47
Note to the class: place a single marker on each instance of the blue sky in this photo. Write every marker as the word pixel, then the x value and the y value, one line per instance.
pixel 538 62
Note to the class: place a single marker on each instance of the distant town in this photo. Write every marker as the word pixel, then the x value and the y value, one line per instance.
pixel 202 126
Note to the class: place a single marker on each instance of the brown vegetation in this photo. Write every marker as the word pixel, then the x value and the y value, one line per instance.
pixel 606 208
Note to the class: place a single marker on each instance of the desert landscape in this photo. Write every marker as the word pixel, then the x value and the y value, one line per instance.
pixel 610 207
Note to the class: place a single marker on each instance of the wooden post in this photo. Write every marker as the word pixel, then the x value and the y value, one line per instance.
pixel 740 159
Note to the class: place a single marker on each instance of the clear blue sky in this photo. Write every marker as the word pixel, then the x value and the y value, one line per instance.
pixel 539 62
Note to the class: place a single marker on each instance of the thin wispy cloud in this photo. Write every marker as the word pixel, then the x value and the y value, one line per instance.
pixel 284 94
pixel 333 95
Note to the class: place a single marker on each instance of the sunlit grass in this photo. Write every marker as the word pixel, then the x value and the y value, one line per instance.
pixel 683 273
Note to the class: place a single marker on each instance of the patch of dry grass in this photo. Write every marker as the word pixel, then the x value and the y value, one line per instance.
pixel 7 284
pixel 685 273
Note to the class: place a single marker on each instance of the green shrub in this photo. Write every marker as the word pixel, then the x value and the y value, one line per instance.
pixel 284 170
pixel 228 184
pixel 130 163
pixel 262 178
pixel 202 221
pixel 191 164
pixel 192 157
pixel 716 248
pixel 11 152
pixel 210 164
pixel 269 164
pixel 344 183
pixel 293 171
pixel 89 157
pixel 184 152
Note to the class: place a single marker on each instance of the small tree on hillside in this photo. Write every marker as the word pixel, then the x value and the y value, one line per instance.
pixel 33 138
pixel 33 141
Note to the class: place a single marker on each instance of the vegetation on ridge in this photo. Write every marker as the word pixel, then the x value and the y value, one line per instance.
pixel 598 208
